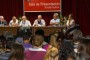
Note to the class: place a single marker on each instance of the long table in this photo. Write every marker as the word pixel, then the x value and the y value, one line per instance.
pixel 14 30
pixel 47 30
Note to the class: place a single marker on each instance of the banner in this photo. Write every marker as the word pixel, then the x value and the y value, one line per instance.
pixel 42 5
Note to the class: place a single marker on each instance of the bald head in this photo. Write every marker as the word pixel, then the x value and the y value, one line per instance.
pixel 39 17
pixel 24 18
pixel 1 18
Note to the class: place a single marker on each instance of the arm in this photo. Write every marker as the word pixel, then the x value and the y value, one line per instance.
pixel 10 23
pixel 43 23
pixel 29 23
pixel 35 23
pixel 51 22
pixel 20 23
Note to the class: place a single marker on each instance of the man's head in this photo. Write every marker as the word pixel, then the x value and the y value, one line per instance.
pixel 1 18
pixel 39 17
pixel 24 18
pixel 14 18
pixel 85 45
pixel 55 16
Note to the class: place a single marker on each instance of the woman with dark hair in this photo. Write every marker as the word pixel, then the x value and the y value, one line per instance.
pixel 84 48
pixel 17 52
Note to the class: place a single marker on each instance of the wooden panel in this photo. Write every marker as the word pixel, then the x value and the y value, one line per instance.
pixel 10 29
pixel 47 30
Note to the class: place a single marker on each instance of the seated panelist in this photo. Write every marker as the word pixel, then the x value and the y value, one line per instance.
pixel 70 22
pixel 39 21
pixel 55 21
pixel 13 22
pixel 36 52
pixel 2 21
pixel 25 22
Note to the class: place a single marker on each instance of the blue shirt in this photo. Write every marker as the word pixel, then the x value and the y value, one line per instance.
pixel 57 21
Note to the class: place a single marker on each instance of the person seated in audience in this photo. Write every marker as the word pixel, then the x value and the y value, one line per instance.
pixel 70 57
pixel 17 52
pixel 19 39
pixel 26 42
pixel 70 22
pixel 36 52
pixel 55 40
pixel 39 21
pixel 25 22
pixel 84 48
pixel 52 48
pixel 55 21
pixel 13 22
pixel 3 22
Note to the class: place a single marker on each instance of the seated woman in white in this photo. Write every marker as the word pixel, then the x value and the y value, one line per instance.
pixel 39 21
pixel 36 52
pixel 70 22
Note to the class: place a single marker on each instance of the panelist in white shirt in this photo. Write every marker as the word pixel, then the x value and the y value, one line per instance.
pixel 25 22
pixel 13 22
pixel 39 21
pixel 3 22
pixel 55 21
pixel 70 22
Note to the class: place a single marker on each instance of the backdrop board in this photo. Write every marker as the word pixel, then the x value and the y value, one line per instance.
pixel 42 5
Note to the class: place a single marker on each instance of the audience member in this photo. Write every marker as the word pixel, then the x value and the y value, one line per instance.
pixel 26 42
pixel 36 52
pixel 52 48
pixel 70 57
pixel 84 49
pixel 17 52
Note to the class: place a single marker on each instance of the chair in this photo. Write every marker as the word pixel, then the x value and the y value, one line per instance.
pixel 34 55
pixel 9 38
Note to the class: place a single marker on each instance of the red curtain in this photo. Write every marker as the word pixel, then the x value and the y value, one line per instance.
pixel 79 8
pixel 81 13
pixel 9 8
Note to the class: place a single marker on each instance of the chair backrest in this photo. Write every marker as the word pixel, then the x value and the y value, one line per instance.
pixel 8 34
pixel 35 55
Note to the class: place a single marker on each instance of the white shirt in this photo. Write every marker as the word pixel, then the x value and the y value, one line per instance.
pixel 42 23
pixel 37 49
pixel 55 21
pixel 11 23
pixel 25 23
pixel 70 23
